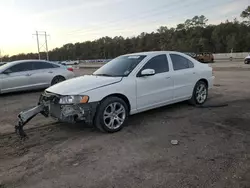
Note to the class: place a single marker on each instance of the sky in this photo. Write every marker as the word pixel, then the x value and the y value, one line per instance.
pixel 70 21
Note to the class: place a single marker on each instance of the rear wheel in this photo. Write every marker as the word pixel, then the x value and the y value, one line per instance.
pixel 200 93
pixel 57 80
pixel 111 115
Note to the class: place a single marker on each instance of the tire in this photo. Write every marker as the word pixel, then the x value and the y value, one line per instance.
pixel 196 98
pixel 106 108
pixel 57 80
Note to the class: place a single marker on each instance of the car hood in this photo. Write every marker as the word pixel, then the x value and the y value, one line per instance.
pixel 82 84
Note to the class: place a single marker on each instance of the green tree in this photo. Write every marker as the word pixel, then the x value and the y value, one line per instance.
pixel 246 15
pixel 194 35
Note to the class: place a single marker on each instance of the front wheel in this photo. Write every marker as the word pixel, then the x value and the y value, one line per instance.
pixel 111 115
pixel 57 80
pixel 200 93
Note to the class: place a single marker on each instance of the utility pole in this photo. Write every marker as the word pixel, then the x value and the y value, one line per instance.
pixel 1 58
pixel 47 53
pixel 40 46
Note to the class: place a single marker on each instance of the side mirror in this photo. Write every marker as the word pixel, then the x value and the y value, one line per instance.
pixel 8 71
pixel 148 72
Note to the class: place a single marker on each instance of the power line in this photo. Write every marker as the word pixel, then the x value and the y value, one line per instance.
pixel 132 16
pixel 206 8
pixel 44 45
pixel 144 16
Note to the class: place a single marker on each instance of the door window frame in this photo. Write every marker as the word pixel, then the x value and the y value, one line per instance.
pixel 189 61
pixel 142 68
pixel 32 68
pixel 52 65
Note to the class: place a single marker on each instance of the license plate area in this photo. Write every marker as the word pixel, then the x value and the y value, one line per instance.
pixel 55 110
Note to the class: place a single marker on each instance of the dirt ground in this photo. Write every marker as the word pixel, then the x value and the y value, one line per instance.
pixel 213 149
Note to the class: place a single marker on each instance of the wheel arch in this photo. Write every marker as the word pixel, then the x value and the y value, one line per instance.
pixel 204 80
pixel 57 76
pixel 121 96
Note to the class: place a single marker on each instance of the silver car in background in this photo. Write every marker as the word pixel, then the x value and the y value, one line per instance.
pixel 32 74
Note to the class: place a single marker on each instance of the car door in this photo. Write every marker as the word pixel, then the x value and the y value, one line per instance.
pixel 184 76
pixel 17 77
pixel 43 73
pixel 157 89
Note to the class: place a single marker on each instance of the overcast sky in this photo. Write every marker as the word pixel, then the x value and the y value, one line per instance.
pixel 80 20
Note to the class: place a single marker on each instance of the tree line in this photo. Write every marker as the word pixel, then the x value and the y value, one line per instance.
pixel 194 35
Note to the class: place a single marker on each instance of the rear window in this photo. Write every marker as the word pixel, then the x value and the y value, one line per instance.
pixel 44 65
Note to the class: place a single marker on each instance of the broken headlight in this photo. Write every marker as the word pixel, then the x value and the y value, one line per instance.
pixel 74 99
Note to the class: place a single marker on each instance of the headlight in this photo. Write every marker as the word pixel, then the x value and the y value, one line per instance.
pixel 74 99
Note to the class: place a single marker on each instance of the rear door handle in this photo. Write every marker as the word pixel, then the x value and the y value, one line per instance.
pixel 50 71
pixel 28 74
pixel 167 77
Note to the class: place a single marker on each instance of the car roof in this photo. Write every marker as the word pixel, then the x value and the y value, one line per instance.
pixel 9 64
pixel 151 53
pixel 28 60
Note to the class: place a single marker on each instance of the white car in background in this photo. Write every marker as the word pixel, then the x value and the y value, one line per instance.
pixel 32 74
pixel 126 85
pixel 69 62
pixel 247 59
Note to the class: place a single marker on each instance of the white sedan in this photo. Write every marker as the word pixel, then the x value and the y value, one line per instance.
pixel 127 85
pixel 26 75
pixel 68 62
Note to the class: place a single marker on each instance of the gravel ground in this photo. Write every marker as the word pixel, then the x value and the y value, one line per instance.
pixel 213 149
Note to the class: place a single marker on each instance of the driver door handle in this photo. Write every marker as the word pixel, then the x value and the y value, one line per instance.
pixel 167 77
pixel 28 74
pixel 50 71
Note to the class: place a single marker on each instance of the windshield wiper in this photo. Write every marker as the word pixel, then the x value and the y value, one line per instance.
pixel 102 75
pixel 109 75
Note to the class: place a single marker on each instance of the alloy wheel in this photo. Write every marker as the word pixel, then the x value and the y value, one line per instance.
pixel 201 93
pixel 114 115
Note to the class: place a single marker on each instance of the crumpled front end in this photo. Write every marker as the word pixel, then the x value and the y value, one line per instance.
pixel 70 113
pixel 49 105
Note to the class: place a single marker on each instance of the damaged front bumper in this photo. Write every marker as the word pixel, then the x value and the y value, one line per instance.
pixel 49 106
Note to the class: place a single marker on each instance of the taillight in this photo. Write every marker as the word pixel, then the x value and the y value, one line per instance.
pixel 70 69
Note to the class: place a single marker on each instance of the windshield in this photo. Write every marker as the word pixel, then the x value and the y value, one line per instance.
pixel 120 66
pixel 4 66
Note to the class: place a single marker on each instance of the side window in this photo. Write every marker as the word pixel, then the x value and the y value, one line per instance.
pixel 158 63
pixel 190 64
pixel 21 67
pixel 180 62
pixel 43 65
